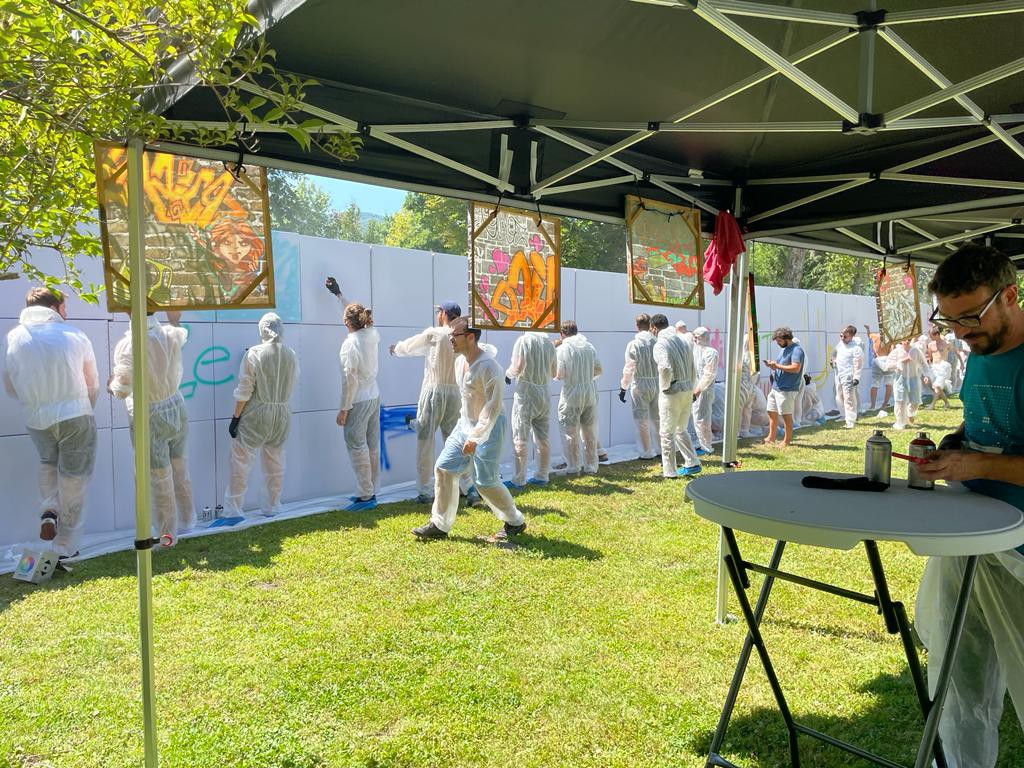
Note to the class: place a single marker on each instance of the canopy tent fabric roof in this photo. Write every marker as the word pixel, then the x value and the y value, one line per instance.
pixel 906 116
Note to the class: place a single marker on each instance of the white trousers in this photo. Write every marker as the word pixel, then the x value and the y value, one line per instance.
pixel 646 420
pixel 242 459
pixel 701 410
pixel 579 435
pixel 848 401
pixel 674 414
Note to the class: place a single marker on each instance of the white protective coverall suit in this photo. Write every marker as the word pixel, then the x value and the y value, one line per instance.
pixel 578 366
pixel 533 366
pixel 361 398
pixel 640 377
pixel 168 421
pixel 907 362
pixel 50 368
pixel 674 359
pixel 705 365
pixel 748 381
pixel 266 379
pixel 438 405
pixel 481 421
pixel 848 359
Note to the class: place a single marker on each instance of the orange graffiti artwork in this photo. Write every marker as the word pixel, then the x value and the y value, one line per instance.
pixel 520 296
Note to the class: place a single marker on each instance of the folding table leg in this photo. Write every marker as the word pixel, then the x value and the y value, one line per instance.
pixel 931 725
pixel 896 622
pixel 733 563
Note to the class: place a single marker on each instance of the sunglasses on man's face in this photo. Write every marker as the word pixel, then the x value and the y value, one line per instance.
pixel 964 321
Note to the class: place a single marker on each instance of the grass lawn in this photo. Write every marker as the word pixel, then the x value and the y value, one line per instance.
pixel 338 640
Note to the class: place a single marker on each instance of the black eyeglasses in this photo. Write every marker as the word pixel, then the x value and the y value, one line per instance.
pixel 965 321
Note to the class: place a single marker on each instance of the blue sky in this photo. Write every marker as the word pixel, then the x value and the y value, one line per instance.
pixel 369 198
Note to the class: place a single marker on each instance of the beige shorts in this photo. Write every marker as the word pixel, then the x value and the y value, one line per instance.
pixel 781 402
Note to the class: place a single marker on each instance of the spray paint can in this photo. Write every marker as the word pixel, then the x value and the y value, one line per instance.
pixel 920 447
pixel 206 516
pixel 218 511
pixel 878 458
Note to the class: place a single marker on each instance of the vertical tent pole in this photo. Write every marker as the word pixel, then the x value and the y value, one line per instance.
pixel 733 372
pixel 140 395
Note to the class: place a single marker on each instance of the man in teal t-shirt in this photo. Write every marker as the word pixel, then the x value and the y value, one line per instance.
pixel 976 291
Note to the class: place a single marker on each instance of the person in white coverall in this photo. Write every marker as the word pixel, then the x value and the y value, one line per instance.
pixel 813 408
pixel 168 420
pixel 50 368
pixel 906 361
pixel 640 378
pixel 848 360
pixel 438 405
pixel 533 366
pixel 359 414
pixel 748 382
pixel 705 366
pixel 674 358
pixel 577 367
pixel 262 416
pixel 478 439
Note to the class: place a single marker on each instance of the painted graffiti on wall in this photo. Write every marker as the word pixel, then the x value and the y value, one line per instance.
pixel 899 313
pixel 514 275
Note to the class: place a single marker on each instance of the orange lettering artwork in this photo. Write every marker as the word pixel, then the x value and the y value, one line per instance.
pixel 515 270
pixel 207 231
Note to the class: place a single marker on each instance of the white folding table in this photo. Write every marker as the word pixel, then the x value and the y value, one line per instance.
pixel 946 521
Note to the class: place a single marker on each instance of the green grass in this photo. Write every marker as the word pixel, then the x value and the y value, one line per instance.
pixel 338 640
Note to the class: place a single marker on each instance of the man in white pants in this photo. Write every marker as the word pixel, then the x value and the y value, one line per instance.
pixel 533 367
pixel 438 406
pixel 705 363
pixel 478 439
pixel 848 360
pixel 168 420
pixel 262 417
pixel 578 367
pixel 640 377
pixel 674 358
pixel 51 369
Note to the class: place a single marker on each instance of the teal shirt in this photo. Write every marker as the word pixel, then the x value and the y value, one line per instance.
pixel 993 398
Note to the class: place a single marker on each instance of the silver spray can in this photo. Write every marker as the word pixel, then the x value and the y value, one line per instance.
pixel 878 458
pixel 206 516
pixel 920 447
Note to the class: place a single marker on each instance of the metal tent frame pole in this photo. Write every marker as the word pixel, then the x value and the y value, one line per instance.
pixel 140 396
pixel 733 372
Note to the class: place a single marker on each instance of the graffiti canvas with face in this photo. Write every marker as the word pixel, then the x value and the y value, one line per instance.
pixel 665 262
pixel 514 269
pixel 899 312
pixel 206 230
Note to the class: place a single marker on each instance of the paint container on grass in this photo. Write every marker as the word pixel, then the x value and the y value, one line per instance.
pixel 206 516
pixel 878 458
pixel 920 447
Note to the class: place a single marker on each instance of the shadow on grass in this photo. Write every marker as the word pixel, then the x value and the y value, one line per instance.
pixel 549 549
pixel 891 727
pixel 256 546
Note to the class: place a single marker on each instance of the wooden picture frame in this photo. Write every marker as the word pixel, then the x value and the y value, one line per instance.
pixel 896 300
pixel 207 231
pixel 514 269
pixel 753 348
pixel 664 254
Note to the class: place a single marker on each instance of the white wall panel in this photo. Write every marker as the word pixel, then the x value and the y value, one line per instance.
pixel 349 263
pixel 402 287
pixel 451 276
pixel 320 369
pixel 399 378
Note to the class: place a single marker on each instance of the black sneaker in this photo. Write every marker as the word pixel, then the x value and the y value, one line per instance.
pixel 429 532
pixel 508 531
pixel 408 420
pixel 602 458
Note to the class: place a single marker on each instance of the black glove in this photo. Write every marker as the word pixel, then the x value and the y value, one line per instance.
pixel 856 382
pixel 332 286
pixel 953 442
pixel 508 380
pixel 233 426
pixel 622 395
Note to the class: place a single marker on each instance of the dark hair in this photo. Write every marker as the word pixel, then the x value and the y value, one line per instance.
pixel 969 268
pixel 643 322
pixel 44 297
pixel 358 316
pixel 782 332
pixel 461 325
pixel 569 328
pixel 852 330
pixel 659 321
pixel 807 379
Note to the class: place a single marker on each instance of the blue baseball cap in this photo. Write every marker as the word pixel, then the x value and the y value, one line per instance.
pixel 451 309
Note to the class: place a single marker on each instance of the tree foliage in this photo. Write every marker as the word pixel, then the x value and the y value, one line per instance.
pixel 299 204
pixel 429 223
pixel 72 73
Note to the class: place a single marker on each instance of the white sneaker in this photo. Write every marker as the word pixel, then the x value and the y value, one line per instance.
pixel 882 414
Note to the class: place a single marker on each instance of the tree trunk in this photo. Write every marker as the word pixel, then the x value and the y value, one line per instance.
pixel 793 267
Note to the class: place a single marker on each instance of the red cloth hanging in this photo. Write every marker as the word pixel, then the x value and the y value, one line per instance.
pixel 722 251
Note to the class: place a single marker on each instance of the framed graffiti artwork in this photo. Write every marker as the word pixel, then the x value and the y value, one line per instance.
pixel 206 230
pixel 899 312
pixel 665 261
pixel 753 346
pixel 514 270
